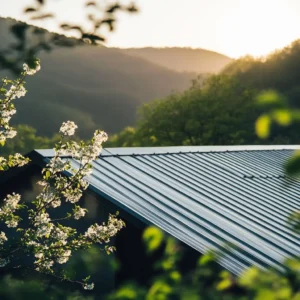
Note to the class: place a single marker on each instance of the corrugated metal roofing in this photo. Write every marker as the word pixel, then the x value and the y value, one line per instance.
pixel 208 197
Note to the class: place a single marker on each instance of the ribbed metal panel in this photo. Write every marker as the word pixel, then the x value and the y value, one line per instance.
pixel 208 198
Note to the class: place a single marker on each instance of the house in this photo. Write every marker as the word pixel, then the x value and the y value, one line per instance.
pixel 205 196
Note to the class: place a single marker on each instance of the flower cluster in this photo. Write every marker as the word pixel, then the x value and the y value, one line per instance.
pixel 32 71
pixel 9 91
pixel 7 212
pixel 68 128
pixel 103 233
pixel 3 238
pixel 45 238
pixel 79 212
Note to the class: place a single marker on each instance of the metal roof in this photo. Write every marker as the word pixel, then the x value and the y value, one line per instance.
pixel 208 197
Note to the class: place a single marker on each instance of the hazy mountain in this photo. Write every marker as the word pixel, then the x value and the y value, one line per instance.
pixel 183 59
pixel 97 87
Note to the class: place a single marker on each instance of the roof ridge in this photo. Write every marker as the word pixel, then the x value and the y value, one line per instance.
pixel 187 152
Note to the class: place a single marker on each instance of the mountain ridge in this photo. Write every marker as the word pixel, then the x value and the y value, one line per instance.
pixel 97 87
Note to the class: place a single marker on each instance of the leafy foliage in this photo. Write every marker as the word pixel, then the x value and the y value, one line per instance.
pixel 220 112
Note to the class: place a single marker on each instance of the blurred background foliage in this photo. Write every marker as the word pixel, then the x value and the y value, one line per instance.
pixel 27 140
pixel 207 279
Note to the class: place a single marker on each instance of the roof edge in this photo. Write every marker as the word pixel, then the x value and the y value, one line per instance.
pixel 179 149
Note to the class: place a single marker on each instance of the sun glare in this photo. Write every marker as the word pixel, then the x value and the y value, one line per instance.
pixel 259 27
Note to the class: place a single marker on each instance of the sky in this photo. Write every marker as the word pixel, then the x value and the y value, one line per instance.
pixel 232 27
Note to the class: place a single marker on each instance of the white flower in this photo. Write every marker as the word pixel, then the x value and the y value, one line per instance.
pixel 47 264
pixel 11 133
pixel 42 183
pixel 30 71
pixel 55 203
pixel 100 137
pixel 39 255
pixel 33 243
pixel 19 160
pixel 87 171
pixel 60 234
pixel 88 286
pixel 79 213
pixel 3 238
pixel 84 184
pixel 63 259
pixel 16 92
pixel 90 153
pixel 72 197
pixel 56 164
pixel 42 218
pixel 68 128
pixel 11 201
pixel 44 229
pixel 11 223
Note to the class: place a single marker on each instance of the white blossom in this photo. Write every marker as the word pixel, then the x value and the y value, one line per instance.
pixel 88 286
pixel 42 183
pixel 100 137
pixel 47 264
pixel 72 196
pixel 60 234
pixel 68 128
pixel 30 71
pixel 19 160
pixel 55 203
pixel 56 164
pixel 39 255
pixel 44 229
pixel 11 133
pixel 79 213
pixel 65 257
pixel 103 233
pixel 3 238
pixel 16 92
pixel 11 201
pixel 87 171
pixel 12 223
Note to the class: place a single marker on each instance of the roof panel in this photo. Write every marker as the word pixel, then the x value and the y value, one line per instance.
pixel 208 197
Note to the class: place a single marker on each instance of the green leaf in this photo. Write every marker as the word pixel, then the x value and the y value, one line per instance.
pixel 224 284
pixel 206 258
pixel 269 97
pixel 153 238
pixel 249 276
pixel 292 166
pixel 47 175
pixel 282 117
pixel 262 126
pixel 175 276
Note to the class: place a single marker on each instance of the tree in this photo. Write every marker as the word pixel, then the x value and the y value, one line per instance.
pixel 30 229
pixel 220 112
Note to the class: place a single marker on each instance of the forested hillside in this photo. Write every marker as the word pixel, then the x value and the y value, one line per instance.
pixel 224 110
pixel 280 71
